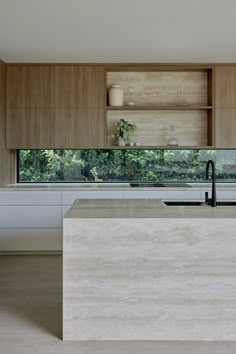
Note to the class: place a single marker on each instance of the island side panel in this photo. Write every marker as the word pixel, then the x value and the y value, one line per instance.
pixel 149 279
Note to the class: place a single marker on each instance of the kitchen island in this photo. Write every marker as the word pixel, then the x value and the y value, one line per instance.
pixel 141 270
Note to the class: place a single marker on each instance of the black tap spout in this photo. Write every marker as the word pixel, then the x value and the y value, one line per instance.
pixel 213 179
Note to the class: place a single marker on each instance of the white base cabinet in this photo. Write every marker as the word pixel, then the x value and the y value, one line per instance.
pixel 30 221
pixel 32 217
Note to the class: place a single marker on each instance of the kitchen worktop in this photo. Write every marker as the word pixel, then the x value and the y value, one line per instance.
pixel 109 187
pixel 143 208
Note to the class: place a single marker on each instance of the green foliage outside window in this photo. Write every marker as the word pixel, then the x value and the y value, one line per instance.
pixel 123 165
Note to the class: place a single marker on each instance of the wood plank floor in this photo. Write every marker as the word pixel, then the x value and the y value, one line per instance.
pixel 31 316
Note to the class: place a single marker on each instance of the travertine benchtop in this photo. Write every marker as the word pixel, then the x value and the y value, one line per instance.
pixel 143 208
pixel 140 270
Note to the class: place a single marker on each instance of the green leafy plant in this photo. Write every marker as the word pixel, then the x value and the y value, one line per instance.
pixel 123 129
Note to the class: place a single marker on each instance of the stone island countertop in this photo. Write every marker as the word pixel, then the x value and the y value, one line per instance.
pixel 143 208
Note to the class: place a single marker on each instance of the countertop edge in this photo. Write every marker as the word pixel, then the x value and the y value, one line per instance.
pixel 118 188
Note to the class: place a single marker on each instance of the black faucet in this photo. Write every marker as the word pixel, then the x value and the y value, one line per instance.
pixel 211 201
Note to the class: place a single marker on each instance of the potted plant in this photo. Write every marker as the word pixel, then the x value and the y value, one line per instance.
pixel 123 131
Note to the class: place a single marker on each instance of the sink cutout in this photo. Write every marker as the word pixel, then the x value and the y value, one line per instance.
pixel 190 203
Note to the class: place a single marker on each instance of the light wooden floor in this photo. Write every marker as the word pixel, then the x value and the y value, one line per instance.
pixel 31 315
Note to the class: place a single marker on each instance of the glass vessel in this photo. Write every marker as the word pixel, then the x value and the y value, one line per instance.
pixel 172 141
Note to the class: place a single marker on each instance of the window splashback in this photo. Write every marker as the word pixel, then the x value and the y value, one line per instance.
pixel 123 165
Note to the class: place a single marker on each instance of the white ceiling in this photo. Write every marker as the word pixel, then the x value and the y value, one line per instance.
pixel 118 31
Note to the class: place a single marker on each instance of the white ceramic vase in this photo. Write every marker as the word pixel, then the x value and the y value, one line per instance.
pixel 116 96
pixel 121 141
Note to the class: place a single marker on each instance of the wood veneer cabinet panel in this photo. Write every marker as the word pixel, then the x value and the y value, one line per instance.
pixel 55 106
pixel 7 157
pixel 90 88
pixel 225 128
pixel 55 86
pixel 2 84
pixel 84 129
pixel 87 129
pixel 55 128
pixel 29 128
pixel 225 86
pixel 28 87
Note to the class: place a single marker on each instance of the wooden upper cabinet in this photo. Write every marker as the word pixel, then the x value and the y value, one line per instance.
pixel 55 128
pixel 225 106
pixel 225 86
pixel 225 128
pixel 55 106
pixel 2 84
pixel 55 86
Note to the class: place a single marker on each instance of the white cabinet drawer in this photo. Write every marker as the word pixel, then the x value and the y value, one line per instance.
pixel 163 195
pixel 30 240
pixel 68 198
pixel 224 194
pixel 30 217
pixel 30 198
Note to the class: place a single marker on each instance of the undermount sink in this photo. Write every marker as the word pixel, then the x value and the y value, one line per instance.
pixel 159 184
pixel 190 203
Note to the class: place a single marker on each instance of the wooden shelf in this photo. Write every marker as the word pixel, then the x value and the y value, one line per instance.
pixel 166 147
pixel 158 108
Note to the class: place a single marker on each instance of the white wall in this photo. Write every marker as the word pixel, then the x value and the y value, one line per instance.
pixel 157 31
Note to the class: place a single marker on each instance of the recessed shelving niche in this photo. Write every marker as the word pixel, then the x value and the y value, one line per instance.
pixel 153 127
pixel 180 97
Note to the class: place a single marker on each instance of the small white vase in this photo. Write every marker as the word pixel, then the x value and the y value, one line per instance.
pixel 121 141
pixel 116 96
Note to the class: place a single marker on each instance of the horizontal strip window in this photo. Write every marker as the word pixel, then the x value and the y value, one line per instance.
pixel 78 166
